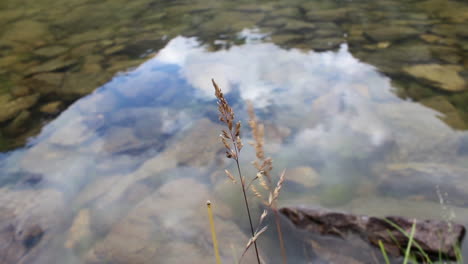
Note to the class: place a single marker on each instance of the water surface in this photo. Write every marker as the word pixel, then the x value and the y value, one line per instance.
pixel 354 95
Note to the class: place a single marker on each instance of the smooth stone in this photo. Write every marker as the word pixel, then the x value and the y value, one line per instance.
pixel 89 36
pixel 229 21
pixel 26 31
pixel 51 65
pixel 302 176
pixel 326 33
pixel 51 108
pixel 297 25
pixel 383 45
pixel 451 116
pixel 323 44
pixel 114 49
pixel 91 68
pixel 50 51
pixel 18 124
pixel 10 109
pixel 29 219
pixel 80 232
pixel 122 65
pixel 335 14
pixel 8 60
pixel 391 33
pixel 444 77
pixel 45 83
pixel 283 39
pixel 447 54
pixel 84 49
pixel 430 38
pixel 439 103
pixel 20 90
pixel 285 12
pixel 79 84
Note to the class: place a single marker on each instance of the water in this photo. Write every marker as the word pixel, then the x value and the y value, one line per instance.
pixel 364 104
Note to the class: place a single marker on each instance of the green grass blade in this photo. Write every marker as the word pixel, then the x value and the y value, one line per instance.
pixel 384 253
pixel 458 254
pixel 424 254
pixel 408 248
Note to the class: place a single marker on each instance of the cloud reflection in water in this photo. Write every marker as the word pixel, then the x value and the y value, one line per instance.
pixel 339 111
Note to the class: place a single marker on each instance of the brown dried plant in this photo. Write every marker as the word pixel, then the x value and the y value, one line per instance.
pixel 233 144
pixel 264 166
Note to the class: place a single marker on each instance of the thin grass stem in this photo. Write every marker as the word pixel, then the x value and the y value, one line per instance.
pixel 408 248
pixel 384 253
pixel 247 206
pixel 416 244
pixel 280 236
pixel 213 233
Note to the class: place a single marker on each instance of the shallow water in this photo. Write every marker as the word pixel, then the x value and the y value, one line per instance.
pixel 364 104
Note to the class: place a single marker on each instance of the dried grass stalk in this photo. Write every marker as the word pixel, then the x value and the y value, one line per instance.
pixel 253 240
pixel 232 142
pixel 264 166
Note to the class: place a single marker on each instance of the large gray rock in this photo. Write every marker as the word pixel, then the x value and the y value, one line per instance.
pixel 434 237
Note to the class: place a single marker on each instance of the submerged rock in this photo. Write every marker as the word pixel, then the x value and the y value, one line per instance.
pixel 391 33
pixel 445 77
pixel 154 229
pixel 45 83
pixel 10 109
pixel 434 237
pixel 80 230
pixel 52 65
pixel 450 116
pixel 51 108
pixel 50 51
pixel 26 31
pixel 27 218
pixel 79 84
pixel 302 176
pixel 335 14
pixel 426 180
pixel 18 124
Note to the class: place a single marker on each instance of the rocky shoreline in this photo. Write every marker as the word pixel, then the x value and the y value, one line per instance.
pixel 46 64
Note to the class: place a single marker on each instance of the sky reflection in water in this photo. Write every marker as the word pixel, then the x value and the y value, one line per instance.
pixel 339 116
